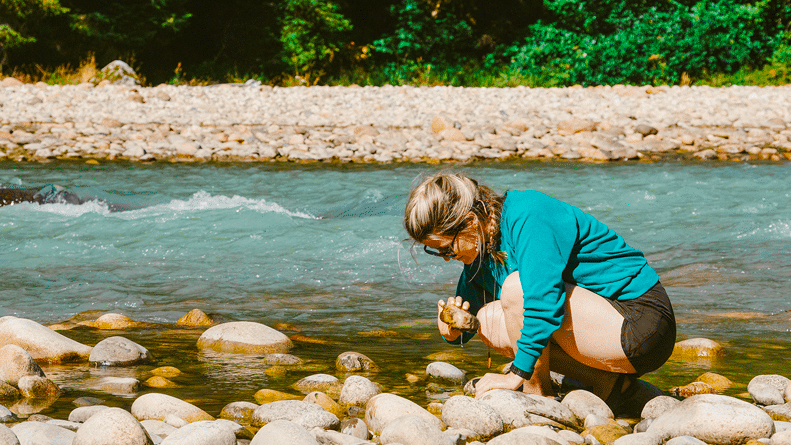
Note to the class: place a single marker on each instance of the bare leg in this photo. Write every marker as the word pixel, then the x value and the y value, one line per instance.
pixel 589 339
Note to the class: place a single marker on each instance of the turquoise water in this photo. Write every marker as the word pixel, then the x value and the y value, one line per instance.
pixel 321 247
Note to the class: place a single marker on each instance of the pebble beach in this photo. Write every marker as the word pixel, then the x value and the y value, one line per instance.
pixel 244 123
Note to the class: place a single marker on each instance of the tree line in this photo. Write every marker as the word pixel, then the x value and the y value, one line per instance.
pixel 552 42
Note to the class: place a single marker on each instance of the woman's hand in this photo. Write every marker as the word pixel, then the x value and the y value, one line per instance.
pixel 498 381
pixel 447 332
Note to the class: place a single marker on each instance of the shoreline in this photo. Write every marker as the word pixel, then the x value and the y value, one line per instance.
pixel 356 390
pixel 382 125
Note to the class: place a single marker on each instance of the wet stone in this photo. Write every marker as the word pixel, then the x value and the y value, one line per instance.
pixel 244 337
pixel 445 371
pixel 119 385
pixel 6 415
pixel 319 382
pixel 267 395
pixel 195 317
pixel 157 406
pixel 354 361
pixel 241 412
pixel 36 387
pixel 119 351
pixel 355 427
pixel 42 343
pixel 326 402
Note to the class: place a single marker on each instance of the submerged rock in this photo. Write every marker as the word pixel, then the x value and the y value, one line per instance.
pixel 695 348
pixel 245 337
pixel 354 361
pixel 319 382
pixel 195 318
pixel 445 371
pixel 42 343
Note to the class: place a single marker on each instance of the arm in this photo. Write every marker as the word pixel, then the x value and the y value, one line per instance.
pixel 542 233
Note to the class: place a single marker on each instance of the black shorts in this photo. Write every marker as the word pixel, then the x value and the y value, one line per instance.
pixel 648 334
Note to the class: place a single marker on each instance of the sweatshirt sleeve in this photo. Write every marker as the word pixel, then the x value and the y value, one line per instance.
pixel 542 232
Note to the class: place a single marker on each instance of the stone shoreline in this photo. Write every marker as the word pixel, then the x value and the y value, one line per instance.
pixel 353 409
pixel 246 123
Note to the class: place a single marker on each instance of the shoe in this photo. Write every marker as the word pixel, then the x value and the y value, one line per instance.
pixel 629 402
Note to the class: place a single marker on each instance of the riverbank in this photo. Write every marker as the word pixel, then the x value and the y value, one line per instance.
pixel 249 123
pixel 65 389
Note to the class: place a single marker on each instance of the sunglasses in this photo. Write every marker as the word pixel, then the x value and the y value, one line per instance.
pixel 446 252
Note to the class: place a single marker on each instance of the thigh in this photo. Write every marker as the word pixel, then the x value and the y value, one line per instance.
pixel 591 331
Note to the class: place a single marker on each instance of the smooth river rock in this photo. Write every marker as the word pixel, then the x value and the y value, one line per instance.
pixel 34 433
pixel 768 389
pixel 157 406
pixel 280 432
pixel 245 337
pixel 384 408
pixel 305 414
pixel 357 390
pixel 42 343
pixel 203 432
pixel 110 427
pixel 583 403
pixel 695 348
pixel 7 437
pixel 466 412
pixel 445 371
pixel 522 436
pixel 714 419
pixel 414 430
pixel 35 387
pixel 118 351
pixel 240 412
pixel 658 406
pixel 354 361
pixel 518 409
pixel 15 362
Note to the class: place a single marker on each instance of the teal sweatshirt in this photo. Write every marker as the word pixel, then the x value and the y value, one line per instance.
pixel 551 243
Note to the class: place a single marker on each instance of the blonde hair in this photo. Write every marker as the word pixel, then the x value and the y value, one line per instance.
pixel 441 203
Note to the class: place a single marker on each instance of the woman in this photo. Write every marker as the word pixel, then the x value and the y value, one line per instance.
pixel 551 286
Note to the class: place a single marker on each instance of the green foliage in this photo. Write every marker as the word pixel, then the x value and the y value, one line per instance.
pixel 312 33
pixel 130 24
pixel 18 17
pixel 435 36
pixel 658 46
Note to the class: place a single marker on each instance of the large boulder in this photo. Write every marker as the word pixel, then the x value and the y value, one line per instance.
pixel 42 343
pixel 768 389
pixel 245 337
pixel 117 72
pixel 384 408
pixel 308 415
pixel 157 406
pixel 112 426
pixel 714 419
pixel 15 362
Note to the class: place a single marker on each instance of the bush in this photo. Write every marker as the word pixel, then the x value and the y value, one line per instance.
pixel 312 33
pixel 424 35
pixel 657 46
